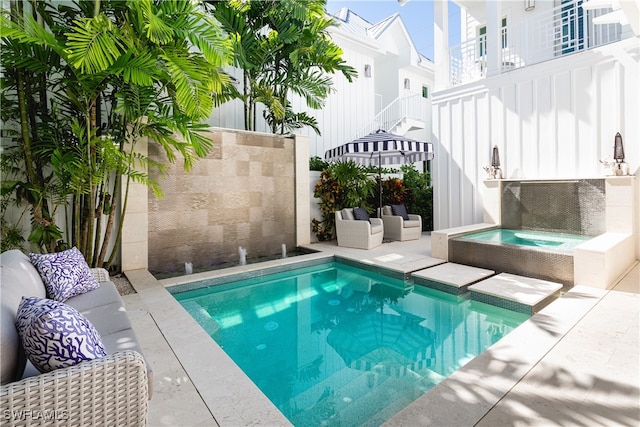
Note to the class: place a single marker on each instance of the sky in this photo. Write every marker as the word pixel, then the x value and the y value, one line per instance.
pixel 417 16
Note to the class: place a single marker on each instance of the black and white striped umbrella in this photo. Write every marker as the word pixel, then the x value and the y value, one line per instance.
pixel 382 148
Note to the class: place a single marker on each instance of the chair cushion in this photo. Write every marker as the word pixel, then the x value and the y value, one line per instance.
pixel 377 228
pixel 386 210
pixel 65 274
pixel 400 210
pixel 55 335
pixel 361 214
pixel 411 223
pixel 347 213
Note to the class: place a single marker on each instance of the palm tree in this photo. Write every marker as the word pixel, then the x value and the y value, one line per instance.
pixel 123 71
pixel 283 48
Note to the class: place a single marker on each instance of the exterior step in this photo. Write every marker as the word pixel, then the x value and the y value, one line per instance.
pixel 450 277
pixel 517 293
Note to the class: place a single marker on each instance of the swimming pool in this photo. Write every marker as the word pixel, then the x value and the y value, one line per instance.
pixel 336 345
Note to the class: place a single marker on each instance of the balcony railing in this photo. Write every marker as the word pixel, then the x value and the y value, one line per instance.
pixel 563 30
pixel 407 105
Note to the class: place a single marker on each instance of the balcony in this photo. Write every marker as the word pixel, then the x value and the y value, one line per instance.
pixel 564 30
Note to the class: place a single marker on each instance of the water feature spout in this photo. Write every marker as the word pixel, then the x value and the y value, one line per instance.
pixel 188 268
pixel 284 250
pixel 242 252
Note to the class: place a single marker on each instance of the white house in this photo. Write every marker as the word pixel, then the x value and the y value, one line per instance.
pixel 392 90
pixel 549 83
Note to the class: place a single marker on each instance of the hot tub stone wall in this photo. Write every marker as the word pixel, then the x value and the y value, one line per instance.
pixel 554 266
pixel 571 206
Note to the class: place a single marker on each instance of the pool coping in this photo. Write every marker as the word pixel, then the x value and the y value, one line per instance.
pixel 234 400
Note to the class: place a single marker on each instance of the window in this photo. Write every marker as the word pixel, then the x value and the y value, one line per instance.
pixel 425 91
pixel 482 37
pixel 407 84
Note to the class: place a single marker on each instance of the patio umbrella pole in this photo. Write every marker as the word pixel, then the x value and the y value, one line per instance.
pixel 380 183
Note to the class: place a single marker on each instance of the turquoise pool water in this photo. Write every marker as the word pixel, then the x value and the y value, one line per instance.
pixel 340 346
pixel 529 238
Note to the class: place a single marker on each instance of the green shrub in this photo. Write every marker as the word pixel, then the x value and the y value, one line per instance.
pixel 317 164
pixel 421 194
pixel 341 185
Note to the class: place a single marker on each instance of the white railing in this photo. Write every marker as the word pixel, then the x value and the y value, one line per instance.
pixel 408 105
pixel 563 30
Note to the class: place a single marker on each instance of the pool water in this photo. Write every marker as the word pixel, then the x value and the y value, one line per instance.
pixel 340 346
pixel 529 238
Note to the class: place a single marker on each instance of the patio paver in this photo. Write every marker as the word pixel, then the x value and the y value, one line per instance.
pixel 450 277
pixel 518 293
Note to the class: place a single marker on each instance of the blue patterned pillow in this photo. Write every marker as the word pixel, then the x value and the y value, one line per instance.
pixel 55 335
pixel 65 274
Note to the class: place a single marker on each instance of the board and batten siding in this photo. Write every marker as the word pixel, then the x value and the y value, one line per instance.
pixel 555 119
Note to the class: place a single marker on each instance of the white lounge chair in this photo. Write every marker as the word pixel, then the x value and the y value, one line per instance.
pixel 360 234
pixel 398 228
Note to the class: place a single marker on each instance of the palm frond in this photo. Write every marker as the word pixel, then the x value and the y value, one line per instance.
pixel 94 44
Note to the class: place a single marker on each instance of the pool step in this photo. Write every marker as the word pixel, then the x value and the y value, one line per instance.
pixel 343 395
pixel 450 277
pixel 517 293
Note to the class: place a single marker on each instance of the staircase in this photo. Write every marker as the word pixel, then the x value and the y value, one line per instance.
pixel 403 114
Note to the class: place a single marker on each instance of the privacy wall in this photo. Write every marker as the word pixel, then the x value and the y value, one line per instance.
pixel 242 194
pixel 552 120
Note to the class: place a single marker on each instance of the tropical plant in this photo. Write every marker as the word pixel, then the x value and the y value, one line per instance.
pixel 394 192
pixel 317 164
pixel 86 82
pixel 283 47
pixel 420 194
pixel 341 185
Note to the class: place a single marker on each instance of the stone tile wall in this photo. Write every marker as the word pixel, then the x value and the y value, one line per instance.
pixel 571 206
pixel 242 194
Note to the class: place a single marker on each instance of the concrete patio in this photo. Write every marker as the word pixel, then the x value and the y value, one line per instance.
pixel 576 362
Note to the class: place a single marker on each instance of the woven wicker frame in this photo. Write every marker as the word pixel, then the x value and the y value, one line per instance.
pixel 110 391
pixel 394 228
pixel 100 274
pixel 357 234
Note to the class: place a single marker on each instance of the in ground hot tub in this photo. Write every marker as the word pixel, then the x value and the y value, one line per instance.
pixel 537 254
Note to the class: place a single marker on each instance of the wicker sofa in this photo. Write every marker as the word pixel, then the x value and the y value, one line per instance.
pixel 353 233
pixel 110 390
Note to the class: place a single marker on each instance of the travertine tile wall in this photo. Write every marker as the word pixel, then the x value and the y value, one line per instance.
pixel 242 194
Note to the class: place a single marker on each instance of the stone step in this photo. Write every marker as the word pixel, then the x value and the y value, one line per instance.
pixel 517 293
pixel 450 277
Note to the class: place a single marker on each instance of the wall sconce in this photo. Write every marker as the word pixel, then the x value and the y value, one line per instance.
pixel 407 84
pixel 367 70
pixel 529 5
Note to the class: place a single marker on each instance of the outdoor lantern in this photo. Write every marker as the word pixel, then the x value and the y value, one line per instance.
pixel 618 149
pixel 529 5
pixel 495 157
